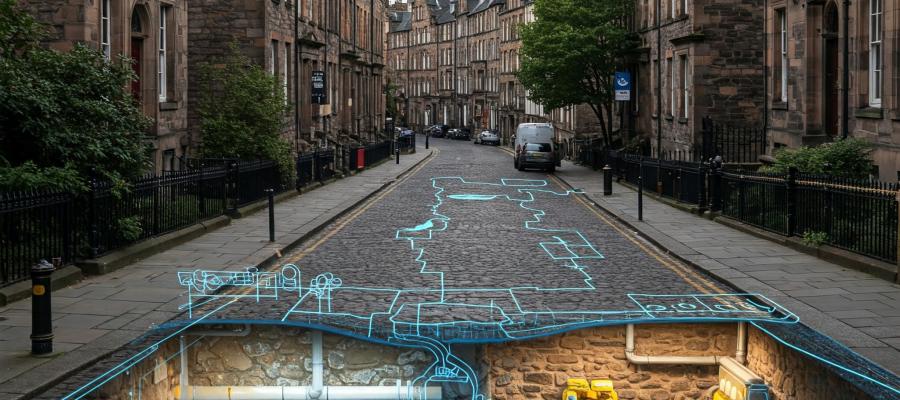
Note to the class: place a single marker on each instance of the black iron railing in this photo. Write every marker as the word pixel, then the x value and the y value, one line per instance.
pixel 305 165
pixel 377 152
pixel 855 215
pixel 45 225
pixel 735 144
pixel 324 165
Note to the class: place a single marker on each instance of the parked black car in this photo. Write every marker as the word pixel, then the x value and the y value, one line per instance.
pixel 459 134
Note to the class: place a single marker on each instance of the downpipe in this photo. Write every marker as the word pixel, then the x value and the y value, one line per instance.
pixel 740 352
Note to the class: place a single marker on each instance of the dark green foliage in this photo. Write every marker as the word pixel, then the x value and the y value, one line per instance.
pixel 571 52
pixel 847 158
pixel 242 113
pixel 63 114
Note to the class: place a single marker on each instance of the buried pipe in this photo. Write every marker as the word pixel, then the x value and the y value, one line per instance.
pixel 397 392
pixel 740 352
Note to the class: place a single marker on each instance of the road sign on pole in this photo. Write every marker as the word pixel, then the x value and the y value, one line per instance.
pixel 622 86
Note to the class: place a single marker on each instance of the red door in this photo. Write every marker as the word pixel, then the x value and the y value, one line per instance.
pixel 137 46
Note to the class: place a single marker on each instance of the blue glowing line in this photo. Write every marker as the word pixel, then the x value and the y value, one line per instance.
pixel 826 361
pixel 131 361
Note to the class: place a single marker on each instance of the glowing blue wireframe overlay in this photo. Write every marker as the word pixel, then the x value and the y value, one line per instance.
pixel 409 326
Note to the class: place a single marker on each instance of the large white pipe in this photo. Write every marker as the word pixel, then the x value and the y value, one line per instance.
pixel 304 393
pixel 318 366
pixel 740 352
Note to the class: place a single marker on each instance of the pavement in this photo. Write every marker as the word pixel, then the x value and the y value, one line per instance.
pixel 852 307
pixel 103 313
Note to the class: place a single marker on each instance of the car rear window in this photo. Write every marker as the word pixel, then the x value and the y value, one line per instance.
pixel 543 147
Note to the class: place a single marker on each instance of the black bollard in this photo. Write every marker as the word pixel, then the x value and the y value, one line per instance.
pixel 641 191
pixel 41 311
pixel 397 151
pixel 271 194
pixel 607 180
pixel 427 135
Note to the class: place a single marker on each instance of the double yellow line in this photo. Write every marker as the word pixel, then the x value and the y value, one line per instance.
pixel 689 275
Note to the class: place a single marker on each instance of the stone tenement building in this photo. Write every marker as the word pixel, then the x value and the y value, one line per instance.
pixel 335 37
pixel 154 34
pixel 819 92
pixel 709 55
pixel 454 63
pixel 171 39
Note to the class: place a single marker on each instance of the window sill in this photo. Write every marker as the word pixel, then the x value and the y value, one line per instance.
pixel 869 113
pixel 168 106
pixel 779 105
pixel 682 121
pixel 654 116
pixel 669 117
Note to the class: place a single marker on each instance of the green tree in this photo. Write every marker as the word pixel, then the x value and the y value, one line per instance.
pixel 571 51
pixel 846 158
pixel 242 112
pixel 63 114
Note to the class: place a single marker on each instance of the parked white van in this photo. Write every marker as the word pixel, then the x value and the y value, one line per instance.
pixel 535 147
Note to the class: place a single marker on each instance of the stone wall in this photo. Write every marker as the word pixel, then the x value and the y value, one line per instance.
pixel 280 356
pixel 538 369
pixel 791 375
pixel 154 378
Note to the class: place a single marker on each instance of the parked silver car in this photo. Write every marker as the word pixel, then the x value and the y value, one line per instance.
pixel 487 137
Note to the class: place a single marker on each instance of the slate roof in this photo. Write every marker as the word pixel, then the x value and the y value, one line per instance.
pixel 401 21
pixel 443 11
pixel 477 6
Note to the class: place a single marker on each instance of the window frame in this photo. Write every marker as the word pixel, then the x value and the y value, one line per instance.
pixel 162 63
pixel 781 47
pixel 671 79
pixel 105 29
pixel 683 64
pixel 876 50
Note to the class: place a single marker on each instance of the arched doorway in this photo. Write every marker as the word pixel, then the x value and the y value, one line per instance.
pixel 831 34
pixel 139 22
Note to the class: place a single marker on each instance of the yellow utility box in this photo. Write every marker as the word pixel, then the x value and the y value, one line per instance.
pixel 581 389
pixel 737 382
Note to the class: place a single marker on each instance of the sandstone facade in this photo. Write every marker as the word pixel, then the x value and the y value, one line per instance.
pixel 805 78
pixel 709 55
pixel 339 38
pixel 153 33
pixel 470 82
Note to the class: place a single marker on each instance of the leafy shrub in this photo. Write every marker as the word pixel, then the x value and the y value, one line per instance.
pixel 63 114
pixel 130 228
pixel 242 113
pixel 814 238
pixel 846 158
